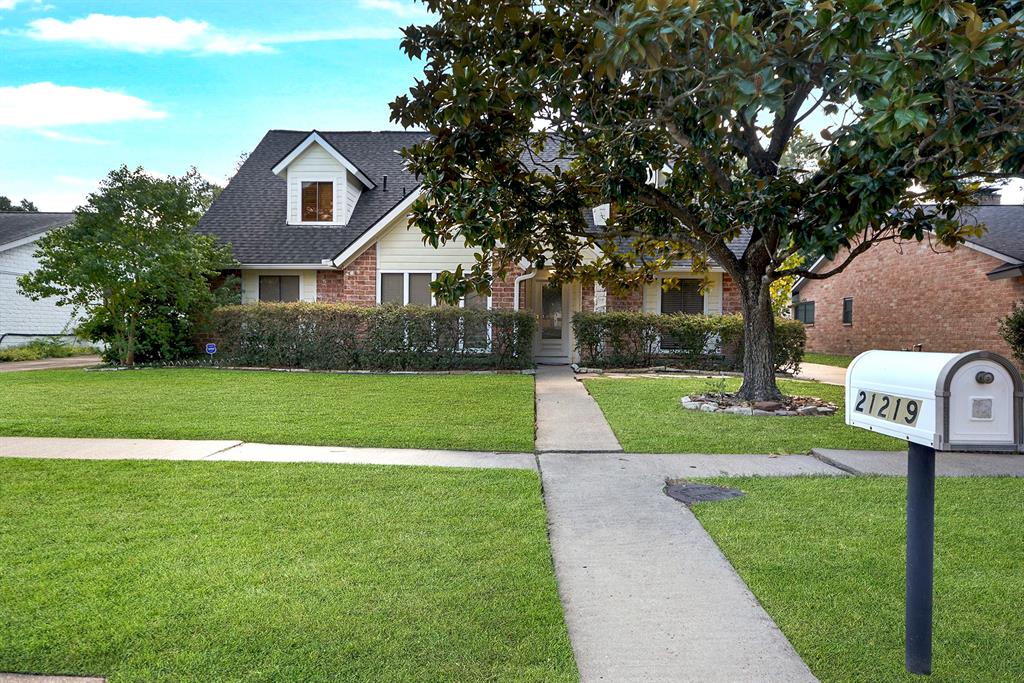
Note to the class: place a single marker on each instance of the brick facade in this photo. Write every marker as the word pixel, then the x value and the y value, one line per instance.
pixel 587 298
pixel 503 291
pixel 356 284
pixel 909 294
pixel 730 295
pixel 632 300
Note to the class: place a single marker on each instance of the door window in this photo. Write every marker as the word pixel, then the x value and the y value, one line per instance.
pixel 551 311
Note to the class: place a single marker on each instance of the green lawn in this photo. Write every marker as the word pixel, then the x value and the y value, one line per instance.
pixel 647 418
pixel 198 571
pixel 825 556
pixel 466 412
pixel 828 359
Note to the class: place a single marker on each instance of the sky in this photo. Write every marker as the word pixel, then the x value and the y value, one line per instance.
pixel 88 86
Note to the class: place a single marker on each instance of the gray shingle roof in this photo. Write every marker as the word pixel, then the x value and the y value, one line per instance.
pixel 251 213
pixel 1004 225
pixel 16 225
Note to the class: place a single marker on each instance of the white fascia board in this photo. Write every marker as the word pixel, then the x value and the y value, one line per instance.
pixel 994 254
pixel 353 250
pixel 285 266
pixel 314 137
pixel 22 242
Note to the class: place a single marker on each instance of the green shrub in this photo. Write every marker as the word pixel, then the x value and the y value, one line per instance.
pixel 630 339
pixel 42 348
pixel 1012 329
pixel 344 337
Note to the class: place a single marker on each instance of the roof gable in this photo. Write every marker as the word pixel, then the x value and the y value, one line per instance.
pixel 19 226
pixel 315 138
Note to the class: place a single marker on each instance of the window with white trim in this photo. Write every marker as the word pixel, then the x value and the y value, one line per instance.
pixel 317 201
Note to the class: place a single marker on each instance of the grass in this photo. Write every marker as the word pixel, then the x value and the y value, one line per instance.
pixel 467 412
pixel 39 349
pixel 825 557
pixel 646 417
pixel 185 571
pixel 828 359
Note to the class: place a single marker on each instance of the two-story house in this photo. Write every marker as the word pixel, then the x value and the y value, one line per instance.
pixel 324 216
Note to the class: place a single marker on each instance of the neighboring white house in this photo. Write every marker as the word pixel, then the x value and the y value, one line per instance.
pixel 19 315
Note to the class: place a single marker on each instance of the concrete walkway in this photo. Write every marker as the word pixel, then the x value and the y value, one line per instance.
pixel 648 596
pixel 51 363
pixel 946 464
pixel 160 449
pixel 826 374
pixel 568 418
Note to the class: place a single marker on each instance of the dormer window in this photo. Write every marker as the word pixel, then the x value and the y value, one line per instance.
pixel 317 202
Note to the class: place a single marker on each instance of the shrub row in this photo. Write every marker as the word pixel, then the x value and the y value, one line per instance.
pixel 634 340
pixel 344 337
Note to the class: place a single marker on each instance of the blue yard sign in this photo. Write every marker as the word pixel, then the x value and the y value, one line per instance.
pixel 211 349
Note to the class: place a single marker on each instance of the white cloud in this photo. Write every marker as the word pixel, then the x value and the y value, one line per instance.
pixel 354 33
pixel 10 4
pixel 65 137
pixel 405 10
pixel 143 34
pixel 43 105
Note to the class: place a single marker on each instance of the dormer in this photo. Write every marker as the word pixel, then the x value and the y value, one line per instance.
pixel 323 186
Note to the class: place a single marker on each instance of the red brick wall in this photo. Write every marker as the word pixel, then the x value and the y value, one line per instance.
pixel 730 295
pixel 356 284
pixel 633 300
pixel 503 291
pixel 587 298
pixel 909 294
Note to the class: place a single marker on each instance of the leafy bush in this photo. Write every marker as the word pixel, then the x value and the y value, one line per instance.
pixel 344 337
pixel 40 348
pixel 629 339
pixel 1012 329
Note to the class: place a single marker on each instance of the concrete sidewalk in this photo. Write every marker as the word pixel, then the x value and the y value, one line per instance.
pixel 51 363
pixel 826 374
pixel 160 449
pixel 568 418
pixel 946 464
pixel 647 594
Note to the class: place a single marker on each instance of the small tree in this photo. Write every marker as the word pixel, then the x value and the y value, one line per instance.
pixel 680 114
pixel 1012 330
pixel 133 265
pixel 24 205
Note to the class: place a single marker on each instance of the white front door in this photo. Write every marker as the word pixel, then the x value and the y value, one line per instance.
pixel 553 305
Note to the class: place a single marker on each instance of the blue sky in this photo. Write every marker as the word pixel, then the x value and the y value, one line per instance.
pixel 87 86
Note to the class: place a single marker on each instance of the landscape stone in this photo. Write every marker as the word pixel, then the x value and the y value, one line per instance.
pixel 758 411
pixel 739 410
pixel 709 407
pixel 766 405
pixel 825 410
pixel 691 405
pixel 807 410
pixel 786 413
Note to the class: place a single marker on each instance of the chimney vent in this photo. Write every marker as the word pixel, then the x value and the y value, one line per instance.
pixel 988 196
pixel 385 182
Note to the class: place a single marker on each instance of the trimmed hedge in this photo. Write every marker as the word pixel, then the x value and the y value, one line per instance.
pixel 636 340
pixel 345 337
pixel 1012 330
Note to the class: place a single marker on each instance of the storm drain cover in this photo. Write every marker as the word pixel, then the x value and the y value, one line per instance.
pixel 690 493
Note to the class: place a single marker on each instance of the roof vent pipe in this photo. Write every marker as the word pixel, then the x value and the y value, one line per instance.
pixel 385 182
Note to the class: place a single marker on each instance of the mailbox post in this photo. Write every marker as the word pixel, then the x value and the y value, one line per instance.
pixel 970 402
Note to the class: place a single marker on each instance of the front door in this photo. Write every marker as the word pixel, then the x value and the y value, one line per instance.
pixel 553 305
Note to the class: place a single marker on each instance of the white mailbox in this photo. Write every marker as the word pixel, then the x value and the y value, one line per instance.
pixel 970 401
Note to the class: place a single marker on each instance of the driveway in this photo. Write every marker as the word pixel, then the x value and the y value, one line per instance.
pixel 50 363
pixel 826 374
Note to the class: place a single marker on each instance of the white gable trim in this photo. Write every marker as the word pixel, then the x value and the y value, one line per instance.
pixel 22 242
pixel 314 137
pixel 353 250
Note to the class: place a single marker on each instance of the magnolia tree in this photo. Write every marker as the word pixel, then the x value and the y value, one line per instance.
pixel 681 114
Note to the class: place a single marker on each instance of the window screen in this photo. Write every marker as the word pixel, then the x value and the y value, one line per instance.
pixel 279 288
pixel 848 311
pixel 475 331
pixel 317 202
pixel 419 289
pixel 392 288
pixel 804 312
pixel 684 297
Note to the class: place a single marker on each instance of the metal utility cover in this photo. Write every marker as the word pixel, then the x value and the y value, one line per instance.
pixel 690 493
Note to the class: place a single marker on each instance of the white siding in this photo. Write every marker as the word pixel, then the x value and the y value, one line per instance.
pixel 402 248
pixel 20 314
pixel 251 284
pixel 712 292
pixel 316 164
pixel 353 189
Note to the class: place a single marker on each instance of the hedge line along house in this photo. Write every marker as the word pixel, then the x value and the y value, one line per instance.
pixel 324 217
pixel 919 295
pixel 21 319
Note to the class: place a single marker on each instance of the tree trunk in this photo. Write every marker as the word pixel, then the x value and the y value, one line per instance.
pixel 758 341
pixel 129 356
